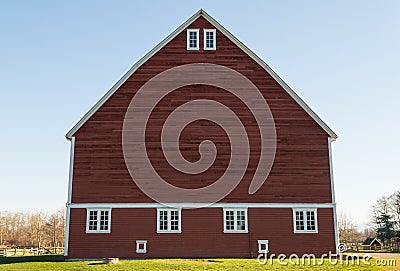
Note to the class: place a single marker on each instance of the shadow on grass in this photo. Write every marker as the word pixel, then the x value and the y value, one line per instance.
pixel 27 259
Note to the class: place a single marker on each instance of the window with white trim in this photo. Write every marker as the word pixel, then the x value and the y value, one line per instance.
pixel 98 220
pixel 192 39
pixel 235 220
pixel 305 220
pixel 210 39
pixel 168 220
pixel 141 246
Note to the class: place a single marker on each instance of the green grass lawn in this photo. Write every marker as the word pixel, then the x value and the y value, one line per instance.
pixel 56 263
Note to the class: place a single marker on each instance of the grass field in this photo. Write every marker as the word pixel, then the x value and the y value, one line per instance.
pixel 56 263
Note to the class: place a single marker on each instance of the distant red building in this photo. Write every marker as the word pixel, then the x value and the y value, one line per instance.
pixel 293 211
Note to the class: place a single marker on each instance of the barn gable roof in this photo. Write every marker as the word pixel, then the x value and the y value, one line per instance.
pixel 201 13
pixel 370 241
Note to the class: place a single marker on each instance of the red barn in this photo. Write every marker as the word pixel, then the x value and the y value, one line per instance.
pixel 282 201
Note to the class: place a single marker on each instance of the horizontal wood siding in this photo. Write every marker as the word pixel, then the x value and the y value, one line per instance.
pixel 202 235
pixel 300 172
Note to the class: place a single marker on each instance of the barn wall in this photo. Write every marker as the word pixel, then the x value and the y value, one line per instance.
pixel 202 235
pixel 301 169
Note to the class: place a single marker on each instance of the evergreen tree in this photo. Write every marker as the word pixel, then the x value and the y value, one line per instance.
pixel 385 230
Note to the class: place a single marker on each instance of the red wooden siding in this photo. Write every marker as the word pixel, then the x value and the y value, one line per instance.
pixel 202 235
pixel 300 172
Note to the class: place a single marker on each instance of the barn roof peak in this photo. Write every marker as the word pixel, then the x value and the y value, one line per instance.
pixel 218 26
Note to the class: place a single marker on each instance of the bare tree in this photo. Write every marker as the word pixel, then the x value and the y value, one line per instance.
pixel 382 207
pixel 32 229
pixel 54 228
pixel 3 231
pixel 347 228
pixel 395 208
pixel 37 222
pixel 368 233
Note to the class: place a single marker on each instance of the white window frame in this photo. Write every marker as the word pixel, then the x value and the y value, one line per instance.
pixel 261 244
pixel 98 210
pixel 141 250
pixel 315 210
pixel 169 220
pixel 235 210
pixel 188 39
pixel 214 31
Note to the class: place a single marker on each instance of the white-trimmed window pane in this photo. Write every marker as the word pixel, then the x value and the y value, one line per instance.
pixel 305 220
pixel 92 220
pixel 193 39
pixel 241 221
pixel 230 220
pixel 209 39
pixel 104 219
pixel 163 220
pixel 174 221
pixel 235 220
pixel 168 220
pixel 310 220
pixel 98 221
pixel 299 220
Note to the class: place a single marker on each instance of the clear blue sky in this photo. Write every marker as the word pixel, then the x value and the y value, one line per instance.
pixel 57 58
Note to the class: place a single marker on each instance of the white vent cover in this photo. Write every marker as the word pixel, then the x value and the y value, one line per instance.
pixel 263 246
pixel 141 246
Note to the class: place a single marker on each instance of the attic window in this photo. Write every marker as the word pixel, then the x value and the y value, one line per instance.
pixel 210 39
pixel 193 39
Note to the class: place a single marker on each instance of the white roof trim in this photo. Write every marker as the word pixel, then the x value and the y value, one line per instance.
pixel 202 204
pixel 374 240
pixel 234 40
